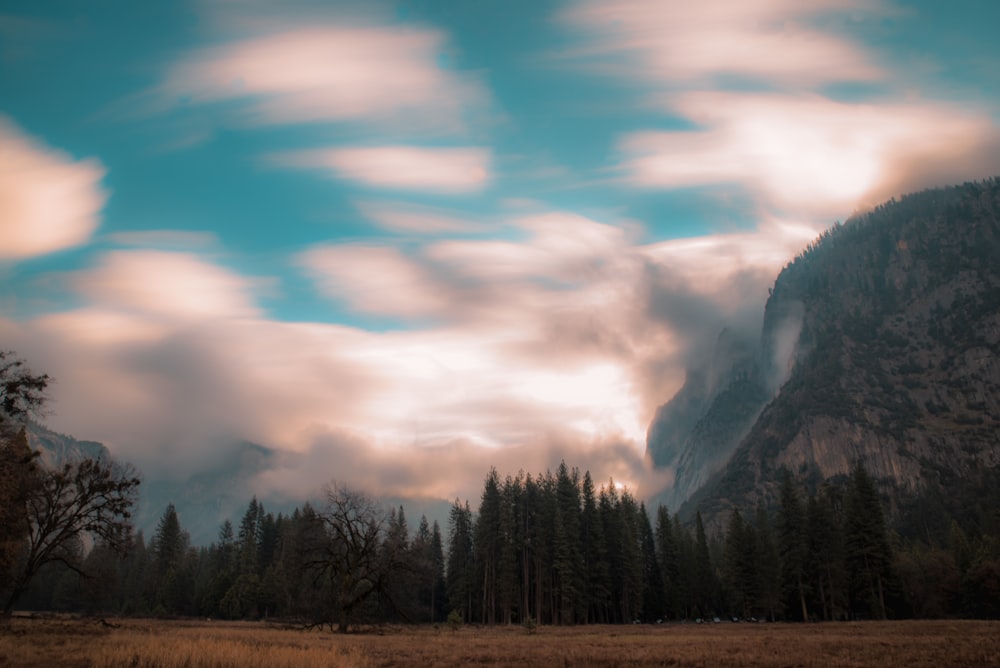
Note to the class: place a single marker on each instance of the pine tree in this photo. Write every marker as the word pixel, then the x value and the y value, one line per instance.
pixel 792 545
pixel 242 599
pixel 740 562
pixel 631 557
pixel 170 544
pixel 438 593
pixel 768 567
pixel 595 563
pixel 867 544
pixel 461 565
pixel 511 542
pixel 487 545
pixel 653 594
pixel 667 553
pixel 567 557
pixel 398 590
pixel 705 585
pixel 685 584
pixel 825 555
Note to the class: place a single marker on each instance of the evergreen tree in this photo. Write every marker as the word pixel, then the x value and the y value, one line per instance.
pixel 704 585
pixel 169 547
pixel 487 547
pixel 685 584
pixel 792 546
pixel 567 557
pixel 825 555
pixel 242 598
pixel 461 565
pixel 768 568
pixel 631 557
pixel 438 593
pixel 594 554
pixel 740 561
pixel 667 553
pixel 868 553
pixel 654 604
pixel 511 543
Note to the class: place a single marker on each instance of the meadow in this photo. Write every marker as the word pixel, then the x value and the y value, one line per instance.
pixel 215 644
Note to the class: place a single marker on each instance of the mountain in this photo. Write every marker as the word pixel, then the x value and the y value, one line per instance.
pixel 55 449
pixel 208 498
pixel 696 431
pixel 880 344
pixel 205 500
pixel 202 501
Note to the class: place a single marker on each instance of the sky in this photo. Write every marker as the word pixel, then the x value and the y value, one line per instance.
pixel 404 242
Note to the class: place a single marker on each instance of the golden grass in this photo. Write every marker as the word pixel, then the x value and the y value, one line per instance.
pixel 176 644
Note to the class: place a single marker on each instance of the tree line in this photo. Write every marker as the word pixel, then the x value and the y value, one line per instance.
pixel 550 548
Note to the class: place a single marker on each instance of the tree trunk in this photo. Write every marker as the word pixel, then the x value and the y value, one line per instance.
pixel 802 602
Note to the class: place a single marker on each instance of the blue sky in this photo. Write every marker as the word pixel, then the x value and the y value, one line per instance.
pixel 396 237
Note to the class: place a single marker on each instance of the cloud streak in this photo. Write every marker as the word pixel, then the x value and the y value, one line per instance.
pixel 803 153
pixel 414 168
pixel 332 71
pixel 753 81
pixel 669 43
pixel 558 345
pixel 48 200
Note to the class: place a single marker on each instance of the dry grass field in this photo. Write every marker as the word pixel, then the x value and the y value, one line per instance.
pixel 187 644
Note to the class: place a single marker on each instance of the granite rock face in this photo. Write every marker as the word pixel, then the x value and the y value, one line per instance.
pixel 880 344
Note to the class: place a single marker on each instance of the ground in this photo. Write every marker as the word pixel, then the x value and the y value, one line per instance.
pixel 98 643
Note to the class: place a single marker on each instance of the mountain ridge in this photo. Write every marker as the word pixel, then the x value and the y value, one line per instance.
pixel 894 318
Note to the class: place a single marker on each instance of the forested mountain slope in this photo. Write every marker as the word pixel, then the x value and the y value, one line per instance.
pixel 888 330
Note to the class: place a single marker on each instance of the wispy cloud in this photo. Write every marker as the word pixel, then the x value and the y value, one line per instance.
pixel 442 170
pixel 670 43
pixel 805 153
pixel 48 200
pixel 558 343
pixel 753 80
pixel 374 279
pixel 167 284
pixel 331 71
pixel 408 218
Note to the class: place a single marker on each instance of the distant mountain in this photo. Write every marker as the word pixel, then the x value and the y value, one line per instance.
pixel 55 449
pixel 203 501
pixel 696 431
pixel 207 499
pixel 880 344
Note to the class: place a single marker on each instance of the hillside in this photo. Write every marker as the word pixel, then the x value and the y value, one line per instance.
pixel 888 330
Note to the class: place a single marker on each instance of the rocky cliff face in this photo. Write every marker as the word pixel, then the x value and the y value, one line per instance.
pixel 56 449
pixel 881 343
pixel 696 431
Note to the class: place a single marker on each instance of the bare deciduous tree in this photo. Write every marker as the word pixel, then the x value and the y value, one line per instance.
pixel 49 515
pixel 355 559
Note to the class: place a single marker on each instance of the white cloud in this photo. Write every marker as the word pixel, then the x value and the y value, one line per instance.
pixel 697 42
pixel 442 170
pixel 167 285
pixel 48 201
pixel 556 345
pixel 753 81
pixel 417 219
pixel 331 71
pixel 374 279
pixel 803 153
